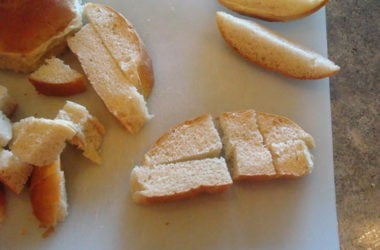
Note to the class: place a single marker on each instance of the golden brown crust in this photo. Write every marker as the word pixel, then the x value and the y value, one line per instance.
pixel 270 17
pixel 2 203
pixel 60 89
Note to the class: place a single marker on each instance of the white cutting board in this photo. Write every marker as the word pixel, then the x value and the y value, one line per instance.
pixel 196 72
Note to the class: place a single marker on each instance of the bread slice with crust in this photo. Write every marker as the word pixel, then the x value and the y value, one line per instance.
pixel 7 104
pixel 13 172
pixel 244 147
pixel 120 97
pixel 193 139
pixel 2 203
pixel 48 195
pixel 270 50
pixel 124 44
pixel 5 130
pixel 55 78
pixel 39 141
pixel 275 10
pixel 168 182
pixel 89 131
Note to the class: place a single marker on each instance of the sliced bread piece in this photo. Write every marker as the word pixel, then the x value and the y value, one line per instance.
pixel 7 104
pixel 175 181
pixel 193 139
pixel 89 131
pixel 55 78
pixel 2 203
pixel 292 158
pixel 120 97
pixel 13 172
pixel 5 130
pixel 276 129
pixel 48 195
pixel 275 10
pixel 266 48
pixel 124 44
pixel 40 141
pixel 244 146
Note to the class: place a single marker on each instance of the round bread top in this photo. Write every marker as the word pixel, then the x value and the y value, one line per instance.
pixel 26 24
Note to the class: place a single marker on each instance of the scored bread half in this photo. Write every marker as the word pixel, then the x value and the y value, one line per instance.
pixel 270 50
pixel 2 203
pixel 275 10
pixel 5 130
pixel 7 104
pixel 120 97
pixel 168 182
pixel 244 146
pixel 55 78
pixel 13 172
pixel 39 141
pixel 124 44
pixel 48 195
pixel 193 139
pixel 89 131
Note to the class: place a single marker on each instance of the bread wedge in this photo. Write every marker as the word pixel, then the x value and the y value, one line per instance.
pixel 270 50
pixel 31 31
pixel 168 182
pixel 193 139
pixel 2 203
pixel 55 78
pixel 13 172
pixel 5 130
pixel 275 10
pixel 7 104
pixel 244 146
pixel 120 97
pixel 89 131
pixel 124 44
pixel 48 195
pixel 39 141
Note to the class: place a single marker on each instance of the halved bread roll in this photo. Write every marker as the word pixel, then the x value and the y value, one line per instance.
pixel 168 182
pixel 2 203
pixel 270 50
pixel 55 78
pixel 48 195
pixel 193 139
pixel 124 44
pixel 275 10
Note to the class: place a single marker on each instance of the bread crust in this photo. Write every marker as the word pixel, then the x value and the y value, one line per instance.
pixel 272 16
pixel 60 89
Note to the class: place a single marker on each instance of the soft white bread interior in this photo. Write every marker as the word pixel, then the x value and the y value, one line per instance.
pixel 13 172
pixel 193 139
pixel 244 147
pixel 120 97
pixel 48 195
pixel 268 49
pixel 7 104
pixel 55 78
pixel 89 131
pixel 39 141
pixel 5 130
pixel 124 44
pixel 275 10
pixel 180 180
pixel 2 203
pixel 31 31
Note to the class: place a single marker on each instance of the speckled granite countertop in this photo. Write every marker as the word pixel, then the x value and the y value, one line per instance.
pixel 354 44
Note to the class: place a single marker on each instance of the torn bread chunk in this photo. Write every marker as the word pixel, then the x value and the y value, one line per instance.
pixel 193 139
pixel 13 172
pixel 292 158
pixel 7 104
pixel 48 195
pixel 5 130
pixel 244 147
pixel 180 180
pixel 120 97
pixel 89 131
pixel 55 78
pixel 39 141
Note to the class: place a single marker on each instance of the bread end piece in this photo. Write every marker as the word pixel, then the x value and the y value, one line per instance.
pixel 55 78
pixel 174 181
